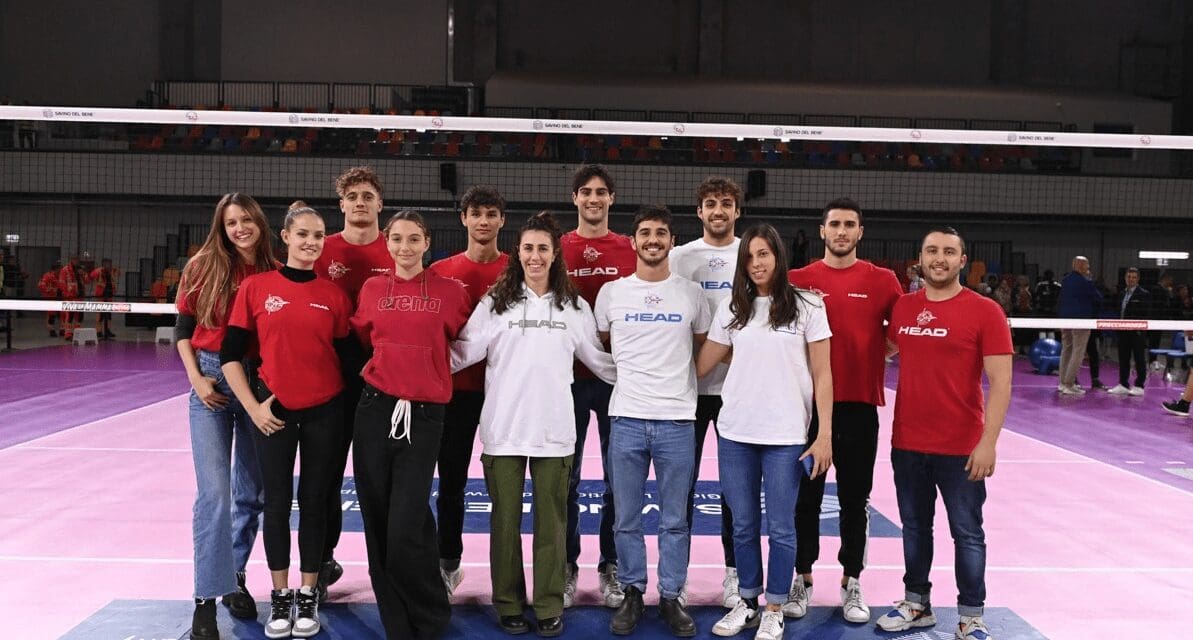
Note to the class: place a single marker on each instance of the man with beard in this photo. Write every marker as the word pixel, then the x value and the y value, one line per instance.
pixel 710 261
pixel 349 258
pixel 858 297
pixel 653 320
pixel 482 212
pixel 943 439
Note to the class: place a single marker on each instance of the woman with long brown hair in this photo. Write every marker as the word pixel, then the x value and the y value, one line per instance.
pixel 780 342
pixel 229 496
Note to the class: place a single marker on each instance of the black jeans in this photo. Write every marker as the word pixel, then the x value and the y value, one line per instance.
pixel 353 385
pixel 1132 344
pixel 708 409
pixel 1092 350
pixel 316 433
pixel 855 446
pixel 460 420
pixel 393 485
pixel 591 394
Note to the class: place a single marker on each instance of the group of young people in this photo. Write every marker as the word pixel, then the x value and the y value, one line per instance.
pixel 70 283
pixel 351 344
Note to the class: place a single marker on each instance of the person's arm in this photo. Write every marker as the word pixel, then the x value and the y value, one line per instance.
pixel 982 460
pixel 711 354
pixel 822 381
pixel 232 351
pixel 590 352
pixel 184 330
pixel 472 344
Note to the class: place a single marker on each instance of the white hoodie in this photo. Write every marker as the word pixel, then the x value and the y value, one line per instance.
pixel 530 350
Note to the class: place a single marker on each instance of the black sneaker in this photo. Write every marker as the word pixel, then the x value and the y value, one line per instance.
pixel 240 603
pixel 329 573
pixel 203 626
pixel 1177 408
pixel 306 613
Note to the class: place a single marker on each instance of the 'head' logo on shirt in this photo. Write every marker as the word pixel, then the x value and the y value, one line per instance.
pixel 924 318
pixel 335 270
pixel 590 254
pixel 275 303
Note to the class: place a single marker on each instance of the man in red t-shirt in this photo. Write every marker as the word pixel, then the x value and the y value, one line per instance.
pixel 947 336
pixel 349 258
pixel 70 287
pixel 104 277
pixel 482 212
pixel 48 285
pixel 594 256
pixel 858 297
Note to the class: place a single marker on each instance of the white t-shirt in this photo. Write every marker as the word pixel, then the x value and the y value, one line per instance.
pixel 651 326
pixel 712 268
pixel 768 391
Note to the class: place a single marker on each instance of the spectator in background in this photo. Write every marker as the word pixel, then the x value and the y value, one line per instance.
pixel 1004 295
pixel 914 281
pixel 1047 295
pixel 1022 307
pixel 104 277
pixel 1184 303
pixel 1079 298
pixel 1133 302
pixel 799 250
pixel 48 285
pixel 987 288
pixel 1163 308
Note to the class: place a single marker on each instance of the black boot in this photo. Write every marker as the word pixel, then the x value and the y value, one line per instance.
pixel 240 603
pixel 514 625
pixel 550 627
pixel 677 619
pixel 203 626
pixel 329 573
pixel 625 620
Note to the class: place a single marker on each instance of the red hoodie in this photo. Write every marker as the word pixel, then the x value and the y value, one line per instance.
pixel 408 324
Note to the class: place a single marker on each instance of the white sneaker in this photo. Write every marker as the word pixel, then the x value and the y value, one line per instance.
pixel 771 626
pixel 853 606
pixel 281 614
pixel 1135 391
pixel 973 628
pixel 610 587
pixel 452 579
pixel 741 617
pixel 1072 391
pixel 798 598
pixel 905 615
pixel 729 589
pixel 306 618
pixel 1118 390
pixel 569 587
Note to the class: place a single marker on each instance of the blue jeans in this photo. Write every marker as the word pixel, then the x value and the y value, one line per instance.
pixel 745 470
pixel 229 497
pixel 917 477
pixel 590 395
pixel 633 443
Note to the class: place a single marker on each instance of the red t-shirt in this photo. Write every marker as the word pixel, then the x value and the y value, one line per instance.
pixel 349 265
pixel 408 324
pixel 209 338
pixel 69 284
pixel 477 278
pixel 593 262
pixel 295 324
pixel 939 406
pixel 105 282
pixel 858 300
pixel 48 285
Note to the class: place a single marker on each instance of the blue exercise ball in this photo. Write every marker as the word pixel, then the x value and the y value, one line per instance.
pixel 1042 351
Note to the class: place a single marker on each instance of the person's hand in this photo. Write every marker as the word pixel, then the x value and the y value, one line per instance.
pixel 822 456
pixel 205 390
pixel 263 417
pixel 981 462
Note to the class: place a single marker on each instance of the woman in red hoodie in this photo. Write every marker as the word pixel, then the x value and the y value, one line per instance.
pixel 407 319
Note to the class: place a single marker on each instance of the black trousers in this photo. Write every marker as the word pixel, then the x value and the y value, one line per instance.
pixel 393 485
pixel 353 385
pixel 316 433
pixel 1132 344
pixel 855 446
pixel 461 417
pixel 1092 350
pixel 708 409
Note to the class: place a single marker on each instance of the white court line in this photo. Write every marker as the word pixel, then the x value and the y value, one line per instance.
pixel 107 449
pixel 480 565
pixel 27 443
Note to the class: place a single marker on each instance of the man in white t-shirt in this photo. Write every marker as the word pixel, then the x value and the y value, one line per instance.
pixel 711 262
pixel 652 319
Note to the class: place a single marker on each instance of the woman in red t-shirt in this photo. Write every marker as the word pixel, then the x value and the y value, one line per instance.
pixel 407 318
pixel 229 498
pixel 300 323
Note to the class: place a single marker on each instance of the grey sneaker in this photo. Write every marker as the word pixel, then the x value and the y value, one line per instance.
pixel 973 628
pixel 569 586
pixel 281 614
pixel 905 615
pixel 451 579
pixel 798 598
pixel 610 587
pixel 306 617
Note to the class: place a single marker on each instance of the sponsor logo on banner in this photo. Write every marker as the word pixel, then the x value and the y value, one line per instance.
pixel 293 118
pixel 97 307
pixel 1145 140
pixel 679 128
pixel 1011 137
pixel 916 134
pixel 48 113
pixel 436 122
pixel 1123 325
pixel 538 125
pixel 192 116
pixel 778 131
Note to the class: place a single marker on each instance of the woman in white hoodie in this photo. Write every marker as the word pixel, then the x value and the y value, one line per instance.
pixel 530 328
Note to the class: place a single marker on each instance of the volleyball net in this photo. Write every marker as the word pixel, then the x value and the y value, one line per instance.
pixel 136 187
